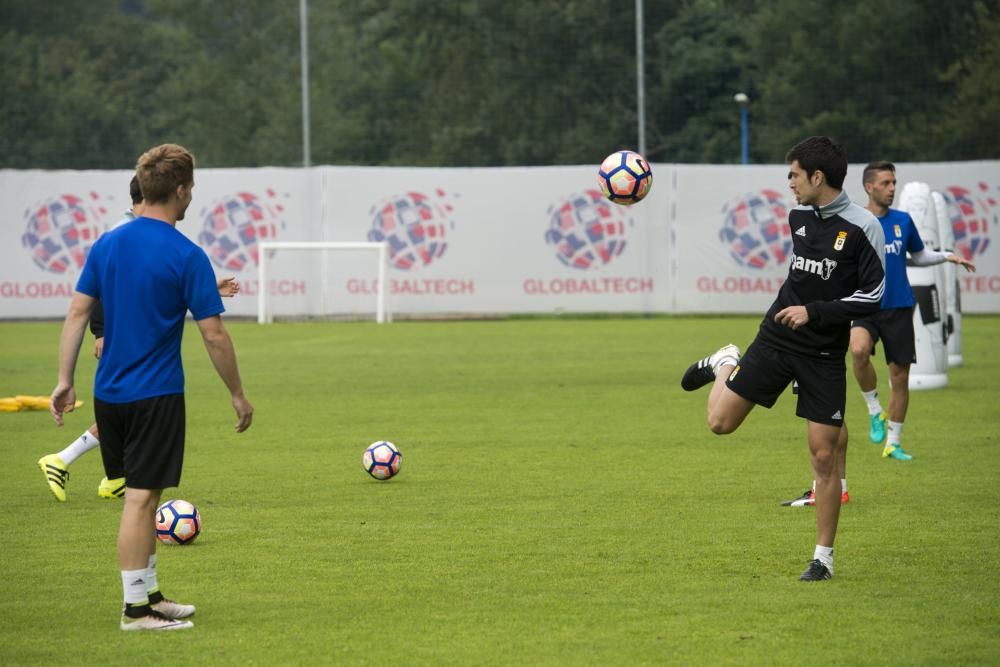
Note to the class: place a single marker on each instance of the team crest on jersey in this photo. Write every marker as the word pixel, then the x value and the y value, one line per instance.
pixel 899 232
pixel 841 239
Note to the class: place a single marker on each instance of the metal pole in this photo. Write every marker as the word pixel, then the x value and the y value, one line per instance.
pixel 304 48
pixel 640 77
pixel 745 134
pixel 744 101
pixel 262 291
pixel 382 287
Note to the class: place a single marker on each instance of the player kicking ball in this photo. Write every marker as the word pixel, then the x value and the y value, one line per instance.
pixel 837 274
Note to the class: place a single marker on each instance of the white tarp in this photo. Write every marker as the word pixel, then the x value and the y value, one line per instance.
pixel 708 239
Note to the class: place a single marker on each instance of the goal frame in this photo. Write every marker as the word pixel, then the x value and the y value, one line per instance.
pixel 264 314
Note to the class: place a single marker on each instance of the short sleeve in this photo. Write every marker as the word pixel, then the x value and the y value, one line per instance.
pixel 914 244
pixel 201 294
pixel 89 282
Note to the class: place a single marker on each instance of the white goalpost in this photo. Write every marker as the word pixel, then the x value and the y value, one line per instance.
pixel 264 314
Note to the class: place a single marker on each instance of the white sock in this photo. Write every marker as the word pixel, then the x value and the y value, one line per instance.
pixel 151 585
pixel 895 432
pixel 727 360
pixel 134 584
pixel 825 556
pixel 79 447
pixel 871 398
pixel 843 485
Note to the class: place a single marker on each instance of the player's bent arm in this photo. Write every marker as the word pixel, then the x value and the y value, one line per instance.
pixel 228 287
pixel 928 257
pixel 223 356
pixel 64 396
pixel 863 302
pixel 866 299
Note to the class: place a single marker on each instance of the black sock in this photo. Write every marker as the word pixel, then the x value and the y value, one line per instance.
pixel 137 610
pixel 156 597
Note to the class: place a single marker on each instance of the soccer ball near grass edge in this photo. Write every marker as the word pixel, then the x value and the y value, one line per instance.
pixel 625 177
pixel 177 522
pixel 382 460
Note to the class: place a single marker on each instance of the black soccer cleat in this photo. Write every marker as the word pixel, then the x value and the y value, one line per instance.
pixel 816 571
pixel 807 499
pixel 702 372
pixel 698 375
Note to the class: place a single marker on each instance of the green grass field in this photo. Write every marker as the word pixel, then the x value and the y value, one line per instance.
pixel 561 503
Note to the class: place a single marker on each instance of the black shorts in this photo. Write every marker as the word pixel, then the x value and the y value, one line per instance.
pixel 143 441
pixel 895 327
pixel 764 372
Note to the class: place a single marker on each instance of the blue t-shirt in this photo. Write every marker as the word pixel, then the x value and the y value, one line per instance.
pixel 901 237
pixel 148 276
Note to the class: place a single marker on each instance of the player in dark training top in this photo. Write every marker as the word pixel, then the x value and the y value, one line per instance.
pixel 836 274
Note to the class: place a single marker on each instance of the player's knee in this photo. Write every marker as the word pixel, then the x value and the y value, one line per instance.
pixel 720 423
pixel 823 461
pixel 860 354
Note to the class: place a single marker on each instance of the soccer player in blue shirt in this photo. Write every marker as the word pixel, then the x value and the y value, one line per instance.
pixel 148 276
pixel 55 467
pixel 893 324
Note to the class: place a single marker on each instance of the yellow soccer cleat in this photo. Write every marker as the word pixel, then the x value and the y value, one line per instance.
pixel 111 488
pixel 56 474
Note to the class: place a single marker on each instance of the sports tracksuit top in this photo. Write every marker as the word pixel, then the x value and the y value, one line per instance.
pixel 837 272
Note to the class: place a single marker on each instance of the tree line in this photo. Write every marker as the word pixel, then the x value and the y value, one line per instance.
pixel 89 85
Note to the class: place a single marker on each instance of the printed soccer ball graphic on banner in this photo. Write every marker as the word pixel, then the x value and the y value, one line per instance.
pixel 971 216
pixel 61 231
pixel 755 229
pixel 382 460
pixel 414 225
pixel 234 225
pixel 587 231
pixel 177 522
pixel 625 177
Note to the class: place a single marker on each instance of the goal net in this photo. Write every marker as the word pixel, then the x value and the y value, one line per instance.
pixel 325 274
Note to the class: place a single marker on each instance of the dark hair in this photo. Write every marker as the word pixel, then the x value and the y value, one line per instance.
pixel 821 154
pixel 135 191
pixel 161 169
pixel 874 167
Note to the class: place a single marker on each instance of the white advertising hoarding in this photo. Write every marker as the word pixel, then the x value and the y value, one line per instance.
pixel 708 239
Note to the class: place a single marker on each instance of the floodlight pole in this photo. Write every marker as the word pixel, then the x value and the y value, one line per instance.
pixel 640 78
pixel 744 101
pixel 304 49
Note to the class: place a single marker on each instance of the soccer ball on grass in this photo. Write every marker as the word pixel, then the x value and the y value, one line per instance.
pixel 382 460
pixel 625 177
pixel 177 522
